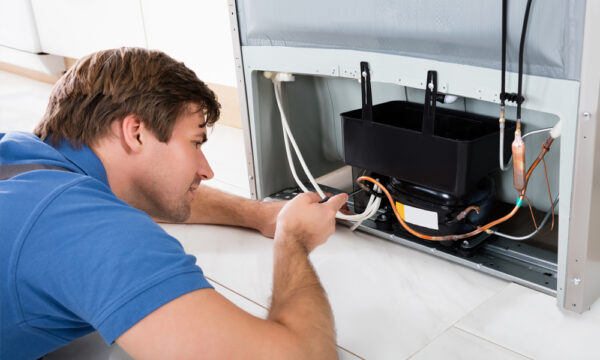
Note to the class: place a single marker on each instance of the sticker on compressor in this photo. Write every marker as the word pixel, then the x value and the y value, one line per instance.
pixel 418 216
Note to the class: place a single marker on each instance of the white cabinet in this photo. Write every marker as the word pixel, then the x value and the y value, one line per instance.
pixel 75 28
pixel 195 32
pixel 17 26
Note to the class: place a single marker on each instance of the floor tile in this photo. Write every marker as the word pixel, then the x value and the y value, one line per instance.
pixel 531 323
pixel 262 312
pixel 241 302
pixel 389 301
pixel 89 347
pixel 456 344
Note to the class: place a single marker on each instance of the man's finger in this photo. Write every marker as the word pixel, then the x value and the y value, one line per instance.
pixel 337 201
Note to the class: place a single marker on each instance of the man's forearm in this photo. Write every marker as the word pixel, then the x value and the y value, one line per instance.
pixel 299 301
pixel 217 207
pixel 212 206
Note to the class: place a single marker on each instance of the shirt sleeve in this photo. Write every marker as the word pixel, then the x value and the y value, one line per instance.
pixel 92 259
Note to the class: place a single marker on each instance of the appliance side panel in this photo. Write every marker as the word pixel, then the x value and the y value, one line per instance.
pixel 582 285
pixel 242 95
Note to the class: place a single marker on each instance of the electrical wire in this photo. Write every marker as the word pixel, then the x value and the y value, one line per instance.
pixel 529 236
pixel 521 51
pixel 374 201
pixel 538 131
pixel 504 25
pixel 502 120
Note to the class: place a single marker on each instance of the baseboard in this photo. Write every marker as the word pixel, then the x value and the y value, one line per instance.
pixel 230 105
pixel 29 64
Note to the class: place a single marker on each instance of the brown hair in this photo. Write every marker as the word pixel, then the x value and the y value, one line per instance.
pixel 111 84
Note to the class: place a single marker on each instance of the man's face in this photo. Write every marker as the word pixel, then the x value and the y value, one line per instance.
pixel 173 170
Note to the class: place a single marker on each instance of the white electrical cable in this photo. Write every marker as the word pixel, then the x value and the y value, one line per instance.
pixel 374 202
pixel 374 206
pixel 277 85
pixel 536 132
pixel 525 237
pixel 502 166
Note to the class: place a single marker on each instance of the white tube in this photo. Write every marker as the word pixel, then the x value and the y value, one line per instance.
pixel 374 201
pixel 501 152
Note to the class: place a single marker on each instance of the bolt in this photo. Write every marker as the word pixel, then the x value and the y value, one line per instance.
pixel 465 243
pixel 251 177
pixel 576 281
pixel 383 217
pixel 587 115
pixel 364 74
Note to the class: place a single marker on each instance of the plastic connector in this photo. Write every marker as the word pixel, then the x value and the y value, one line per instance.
pixel 277 76
pixel 556 130
pixel 284 77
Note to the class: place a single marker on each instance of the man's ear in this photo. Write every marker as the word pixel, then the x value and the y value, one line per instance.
pixel 133 129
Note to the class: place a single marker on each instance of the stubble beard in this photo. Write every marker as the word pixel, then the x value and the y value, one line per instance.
pixel 170 209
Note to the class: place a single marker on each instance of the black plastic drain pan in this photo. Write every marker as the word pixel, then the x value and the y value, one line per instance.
pixel 446 150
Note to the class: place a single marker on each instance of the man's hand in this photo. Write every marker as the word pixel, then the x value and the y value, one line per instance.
pixel 307 221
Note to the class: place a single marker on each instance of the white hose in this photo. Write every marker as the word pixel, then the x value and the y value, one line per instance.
pixel 374 201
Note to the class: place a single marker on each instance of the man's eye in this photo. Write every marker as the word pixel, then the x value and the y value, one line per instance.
pixel 197 144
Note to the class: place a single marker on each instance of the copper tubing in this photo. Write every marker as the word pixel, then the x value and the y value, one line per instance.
pixel 518 155
pixel 480 229
pixel 463 214
pixel 545 148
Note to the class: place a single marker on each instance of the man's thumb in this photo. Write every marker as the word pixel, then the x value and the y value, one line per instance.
pixel 337 201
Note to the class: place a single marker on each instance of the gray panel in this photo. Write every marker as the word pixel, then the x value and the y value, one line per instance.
pixel 461 31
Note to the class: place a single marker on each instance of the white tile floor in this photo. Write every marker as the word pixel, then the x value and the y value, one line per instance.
pixel 389 301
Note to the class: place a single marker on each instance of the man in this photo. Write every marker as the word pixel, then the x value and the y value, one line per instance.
pixel 121 142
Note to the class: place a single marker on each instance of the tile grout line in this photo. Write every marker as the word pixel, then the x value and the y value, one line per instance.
pixel 492 342
pixel 429 343
pixel 453 325
pixel 256 303
pixel 488 340
pixel 237 293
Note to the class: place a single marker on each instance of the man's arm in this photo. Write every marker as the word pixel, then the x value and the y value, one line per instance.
pixel 203 324
pixel 211 206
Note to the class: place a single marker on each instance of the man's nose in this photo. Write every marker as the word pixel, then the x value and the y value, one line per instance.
pixel 204 171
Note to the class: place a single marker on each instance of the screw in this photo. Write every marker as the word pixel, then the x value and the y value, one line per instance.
pixel 465 243
pixel 251 177
pixel 364 74
pixel 576 281
pixel 587 115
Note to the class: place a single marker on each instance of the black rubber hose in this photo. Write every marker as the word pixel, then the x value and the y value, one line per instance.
pixel 521 50
pixel 503 90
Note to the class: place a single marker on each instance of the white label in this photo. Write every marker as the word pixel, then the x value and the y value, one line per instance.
pixel 418 216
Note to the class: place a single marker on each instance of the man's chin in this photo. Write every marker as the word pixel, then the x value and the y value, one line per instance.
pixel 174 216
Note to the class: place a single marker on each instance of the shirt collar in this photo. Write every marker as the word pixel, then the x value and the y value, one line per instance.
pixel 85 159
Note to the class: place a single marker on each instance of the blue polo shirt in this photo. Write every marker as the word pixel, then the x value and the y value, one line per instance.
pixel 73 257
